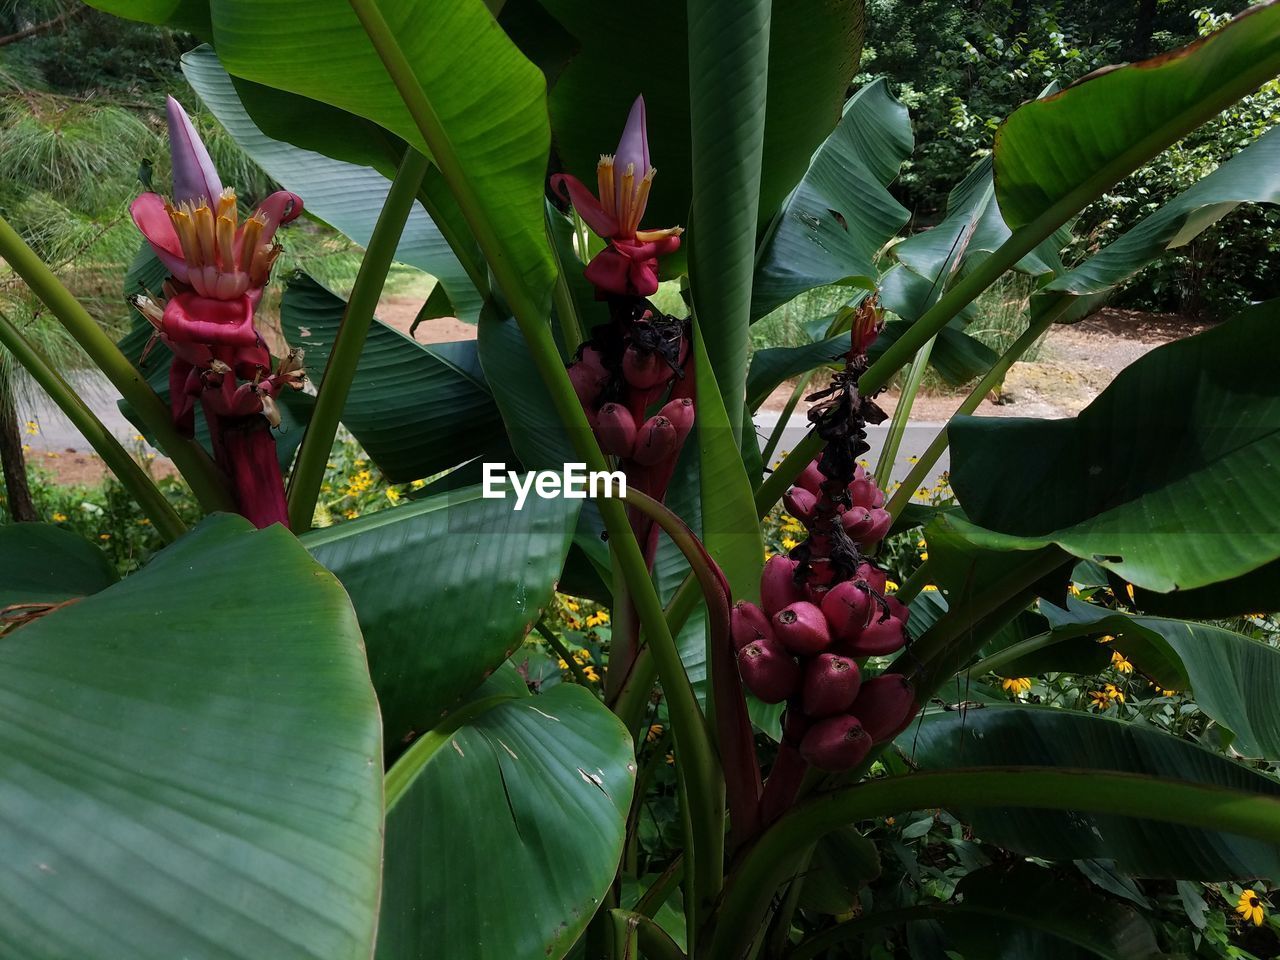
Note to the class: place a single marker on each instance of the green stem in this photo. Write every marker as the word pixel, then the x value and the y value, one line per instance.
pixel 197 468
pixel 902 414
pixel 693 744
pixel 153 503
pixel 556 644
pixel 780 428
pixel 911 589
pixel 771 491
pixel 344 357
pixel 635 929
pixel 994 376
pixel 653 899
pixel 1011 653
pixel 562 298
pixel 773 859
pixel 734 738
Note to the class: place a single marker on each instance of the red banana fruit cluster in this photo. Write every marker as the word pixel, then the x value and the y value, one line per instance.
pixel 804 642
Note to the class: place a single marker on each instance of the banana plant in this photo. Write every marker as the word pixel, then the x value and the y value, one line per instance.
pixel 279 741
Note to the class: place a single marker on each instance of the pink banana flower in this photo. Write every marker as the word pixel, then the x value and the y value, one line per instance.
pixel 198 237
pixel 628 265
pixel 218 269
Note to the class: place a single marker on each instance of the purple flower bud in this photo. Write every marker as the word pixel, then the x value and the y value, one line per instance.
pixel 655 441
pixel 616 430
pixel 830 685
pixel 879 637
pixel 811 478
pixel 799 502
pixel 778 587
pixel 195 178
pixel 885 706
pixel 643 369
pixel 835 744
pixel 748 624
pixel 680 413
pixel 846 606
pixel 768 671
pixel 881 521
pixel 801 628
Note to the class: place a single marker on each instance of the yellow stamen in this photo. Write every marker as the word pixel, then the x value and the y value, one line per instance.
pixel 641 201
pixel 648 236
pixel 262 261
pixel 186 234
pixel 202 218
pixel 227 205
pixel 627 200
pixel 604 177
pixel 226 243
pixel 250 241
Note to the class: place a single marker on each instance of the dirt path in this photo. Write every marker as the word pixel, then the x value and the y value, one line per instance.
pixel 1073 365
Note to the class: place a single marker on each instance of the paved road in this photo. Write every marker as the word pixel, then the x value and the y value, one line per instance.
pixel 916 438
pixel 57 433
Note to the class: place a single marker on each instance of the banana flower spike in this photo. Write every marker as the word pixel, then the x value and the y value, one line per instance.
pixel 197 236
pixel 628 266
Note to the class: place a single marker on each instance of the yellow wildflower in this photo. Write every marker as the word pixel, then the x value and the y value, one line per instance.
pixel 393 495
pixel 655 731
pixel 788 543
pixel 33 428
pixel 1249 906
pixel 597 619
pixel 1120 663
pixel 929 587
pixel 563 664
pixel 350 514
pixel 590 674
pixel 139 438
pixel 417 484
pixel 1015 685
pixel 59 517
pixel 573 605
pixel 671 758
pixel 104 536
pixel 144 522
pixel 891 585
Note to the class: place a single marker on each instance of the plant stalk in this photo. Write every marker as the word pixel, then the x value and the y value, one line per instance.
pixel 197 467
pixel 902 414
pixel 153 503
pixel 344 357
pixel 693 744
pixel 995 375
pixel 783 418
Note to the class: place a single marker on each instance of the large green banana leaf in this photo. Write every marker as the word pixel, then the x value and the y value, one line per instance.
pixel 190 763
